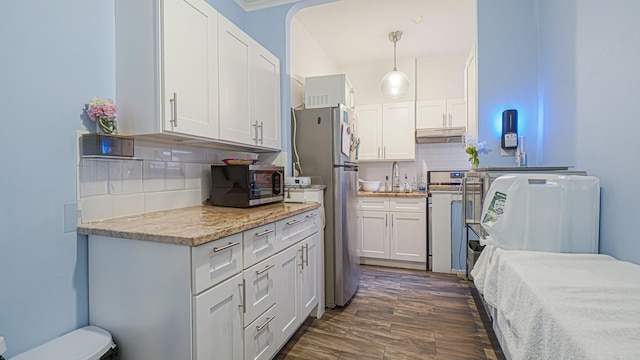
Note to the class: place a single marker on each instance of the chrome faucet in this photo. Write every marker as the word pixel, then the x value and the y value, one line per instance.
pixel 395 177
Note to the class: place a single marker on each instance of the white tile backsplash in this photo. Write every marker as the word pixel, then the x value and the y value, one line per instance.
pixel 94 178
pixel 161 177
pixel 96 208
pixel 429 157
pixel 154 175
pixel 193 174
pixel 175 176
pixel 128 204
pixel 171 199
pixel 132 176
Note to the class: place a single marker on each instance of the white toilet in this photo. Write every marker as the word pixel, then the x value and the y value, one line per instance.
pixel 87 343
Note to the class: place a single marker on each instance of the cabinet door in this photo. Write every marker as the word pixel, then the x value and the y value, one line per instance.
pixel 190 56
pixel 398 127
pixel 431 114
pixel 373 233
pixel 309 275
pixel 288 293
pixel 266 96
pixel 409 236
pixel 457 112
pixel 235 89
pixel 217 322
pixel 260 291
pixel 369 123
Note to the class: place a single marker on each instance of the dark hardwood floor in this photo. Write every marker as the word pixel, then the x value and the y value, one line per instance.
pixel 398 314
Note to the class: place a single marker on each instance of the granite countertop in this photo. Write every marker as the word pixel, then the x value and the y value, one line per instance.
pixel 195 225
pixel 392 194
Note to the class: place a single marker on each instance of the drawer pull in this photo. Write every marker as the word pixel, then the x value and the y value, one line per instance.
pixel 294 222
pixel 215 249
pixel 258 272
pixel 260 327
pixel 265 232
pixel 311 215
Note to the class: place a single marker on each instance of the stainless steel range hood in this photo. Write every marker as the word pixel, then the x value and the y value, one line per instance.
pixel 440 135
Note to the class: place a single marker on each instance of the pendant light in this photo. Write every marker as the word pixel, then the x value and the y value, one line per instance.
pixel 395 84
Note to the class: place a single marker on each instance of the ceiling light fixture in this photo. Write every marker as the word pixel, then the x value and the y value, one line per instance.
pixel 395 84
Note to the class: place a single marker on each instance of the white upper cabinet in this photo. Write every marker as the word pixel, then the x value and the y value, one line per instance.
pixel 167 67
pixel 399 131
pixel 249 89
pixel 369 119
pixel 387 131
pixel 441 113
pixel 266 97
pixel 235 77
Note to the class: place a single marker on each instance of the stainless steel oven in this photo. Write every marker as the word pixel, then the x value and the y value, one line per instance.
pixel 444 180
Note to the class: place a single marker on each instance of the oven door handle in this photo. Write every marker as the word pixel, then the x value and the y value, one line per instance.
pixel 276 178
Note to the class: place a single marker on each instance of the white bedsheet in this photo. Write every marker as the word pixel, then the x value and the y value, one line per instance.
pixel 562 306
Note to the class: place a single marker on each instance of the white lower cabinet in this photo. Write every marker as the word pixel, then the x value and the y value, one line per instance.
pixel 297 286
pixel 392 228
pixel 288 295
pixel 231 299
pixel 217 321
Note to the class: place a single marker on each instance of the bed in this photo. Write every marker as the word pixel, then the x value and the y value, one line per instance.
pixel 561 306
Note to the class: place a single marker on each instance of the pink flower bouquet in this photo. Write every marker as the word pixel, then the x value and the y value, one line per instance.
pixel 104 112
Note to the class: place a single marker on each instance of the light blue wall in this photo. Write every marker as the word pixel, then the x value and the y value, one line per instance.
pixel 55 57
pixel 591 51
pixel 557 82
pixel 507 74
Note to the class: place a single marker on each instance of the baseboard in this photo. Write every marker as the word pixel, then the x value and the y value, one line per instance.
pixel 394 263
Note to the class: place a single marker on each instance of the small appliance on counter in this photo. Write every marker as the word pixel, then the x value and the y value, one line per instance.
pixel 246 185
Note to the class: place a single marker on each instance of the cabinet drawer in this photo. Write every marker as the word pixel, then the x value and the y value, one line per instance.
pixel 408 204
pixel 260 337
pixel 216 261
pixel 373 203
pixel 260 293
pixel 293 229
pixel 259 244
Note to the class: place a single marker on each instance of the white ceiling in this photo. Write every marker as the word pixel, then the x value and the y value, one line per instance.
pixel 356 31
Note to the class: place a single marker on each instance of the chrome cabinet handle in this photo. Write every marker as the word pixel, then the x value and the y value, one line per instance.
pixel 243 304
pixel 386 220
pixel 174 108
pixel 384 153
pixel 215 249
pixel 261 132
pixel 378 152
pixel 311 215
pixel 306 247
pixel 301 258
pixel 258 272
pixel 265 232
pixel 450 120
pixel 260 327
pixel 293 222
pixel 444 119
pixel 255 131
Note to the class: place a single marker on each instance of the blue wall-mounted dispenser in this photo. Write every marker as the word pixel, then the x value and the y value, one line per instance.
pixel 509 139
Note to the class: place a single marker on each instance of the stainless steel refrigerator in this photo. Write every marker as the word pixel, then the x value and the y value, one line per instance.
pixel 324 142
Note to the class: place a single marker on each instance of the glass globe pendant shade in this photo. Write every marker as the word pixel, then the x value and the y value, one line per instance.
pixel 395 84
